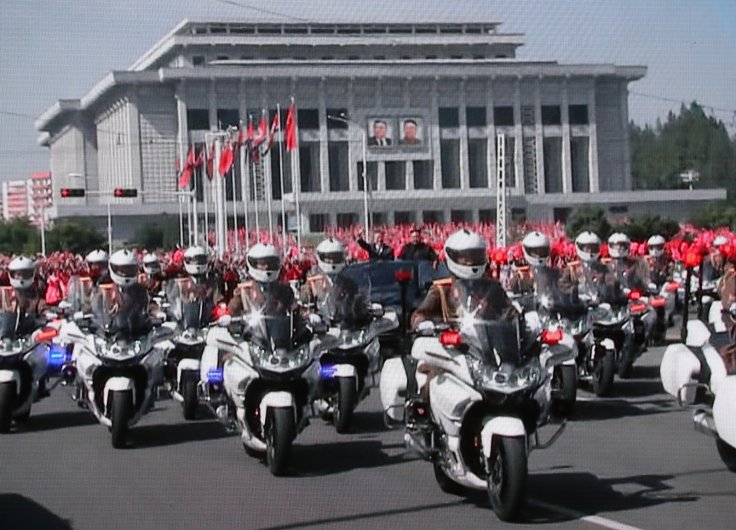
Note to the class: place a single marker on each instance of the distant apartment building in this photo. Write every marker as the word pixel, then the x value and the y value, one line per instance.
pixel 40 196
pixel 16 199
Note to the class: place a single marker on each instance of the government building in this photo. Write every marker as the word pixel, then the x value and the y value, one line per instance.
pixel 425 102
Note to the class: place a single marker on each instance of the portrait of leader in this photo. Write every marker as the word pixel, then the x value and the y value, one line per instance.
pixel 410 132
pixel 380 133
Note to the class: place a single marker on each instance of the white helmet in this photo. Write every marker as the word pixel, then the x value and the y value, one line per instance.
pixel 151 264
pixel 656 245
pixel 331 256
pixel 618 245
pixel 123 268
pixel 588 246
pixel 535 246
pixel 466 254
pixel 97 257
pixel 195 260
pixel 264 263
pixel 21 271
pixel 719 241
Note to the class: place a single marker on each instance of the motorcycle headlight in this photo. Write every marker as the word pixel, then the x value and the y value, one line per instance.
pixel 352 339
pixel 280 360
pixel 489 378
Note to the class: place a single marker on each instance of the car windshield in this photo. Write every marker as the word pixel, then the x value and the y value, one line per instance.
pixel 378 278
pixel 490 335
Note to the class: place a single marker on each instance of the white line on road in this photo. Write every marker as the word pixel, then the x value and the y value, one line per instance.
pixel 592 519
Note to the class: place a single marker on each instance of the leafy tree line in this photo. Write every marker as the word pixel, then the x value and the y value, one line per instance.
pixel 688 140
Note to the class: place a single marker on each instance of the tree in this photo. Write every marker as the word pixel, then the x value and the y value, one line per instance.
pixel 18 236
pixel 716 215
pixel 73 234
pixel 591 218
pixel 642 228
pixel 158 234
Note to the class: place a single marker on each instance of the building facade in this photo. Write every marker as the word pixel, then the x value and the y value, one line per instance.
pixel 16 199
pixel 41 196
pixel 441 93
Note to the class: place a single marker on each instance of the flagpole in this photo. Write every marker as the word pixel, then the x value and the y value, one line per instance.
pixel 235 210
pixel 195 213
pixel 255 195
pixel 204 201
pixel 245 195
pixel 281 181
pixel 269 184
pixel 296 179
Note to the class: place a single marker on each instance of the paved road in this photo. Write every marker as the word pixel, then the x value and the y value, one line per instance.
pixel 630 460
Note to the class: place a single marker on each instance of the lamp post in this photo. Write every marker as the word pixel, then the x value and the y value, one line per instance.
pixel 689 177
pixel 344 119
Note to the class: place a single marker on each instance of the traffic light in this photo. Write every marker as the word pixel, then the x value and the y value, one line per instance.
pixel 72 192
pixel 125 193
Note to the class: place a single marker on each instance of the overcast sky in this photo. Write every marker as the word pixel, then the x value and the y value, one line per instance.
pixel 52 49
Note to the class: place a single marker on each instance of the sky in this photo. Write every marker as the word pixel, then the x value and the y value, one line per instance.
pixel 56 49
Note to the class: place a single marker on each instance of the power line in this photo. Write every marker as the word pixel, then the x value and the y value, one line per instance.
pixel 673 100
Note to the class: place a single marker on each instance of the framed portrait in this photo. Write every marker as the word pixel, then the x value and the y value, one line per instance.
pixel 381 132
pixel 411 131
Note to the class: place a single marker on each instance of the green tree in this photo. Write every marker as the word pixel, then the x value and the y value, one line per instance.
pixel 162 233
pixel 591 218
pixel 73 234
pixel 716 215
pixel 19 236
pixel 641 228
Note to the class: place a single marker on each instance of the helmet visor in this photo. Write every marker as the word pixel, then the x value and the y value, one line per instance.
pixel 623 248
pixel 472 257
pixel 267 263
pixel 332 258
pixel 591 248
pixel 538 252
pixel 199 259
pixel 22 274
pixel 656 248
pixel 125 271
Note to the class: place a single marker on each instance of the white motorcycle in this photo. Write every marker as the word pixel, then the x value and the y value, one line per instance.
pixel 119 362
pixel 348 371
pixel 695 374
pixel 192 313
pixel 269 375
pixel 490 395
pixel 26 358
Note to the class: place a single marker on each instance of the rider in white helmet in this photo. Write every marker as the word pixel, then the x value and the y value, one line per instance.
pixel 537 276
pixel 628 269
pixel 22 273
pixel 153 277
pixel 97 265
pixel 264 267
pixel 196 264
pixel 714 264
pixel 331 256
pixel 659 265
pixel 583 277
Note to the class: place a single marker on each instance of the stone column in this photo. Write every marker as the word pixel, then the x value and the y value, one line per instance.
pixel 566 162
pixel 626 154
pixel 491 138
pixel 539 137
pixel 434 131
pixel 463 127
pixel 324 161
pixel 592 141
pixel 519 141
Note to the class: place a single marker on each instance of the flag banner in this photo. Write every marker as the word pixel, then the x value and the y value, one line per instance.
pixel 226 159
pixel 210 162
pixel 186 174
pixel 290 132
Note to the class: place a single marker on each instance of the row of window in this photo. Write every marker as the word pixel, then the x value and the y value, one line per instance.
pixel 449 117
pixel 200 60
pixel 328 29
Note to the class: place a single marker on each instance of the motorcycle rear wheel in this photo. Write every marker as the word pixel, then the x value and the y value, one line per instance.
pixel 189 393
pixel 506 481
pixel 7 402
pixel 121 405
pixel 603 374
pixel 279 436
pixel 345 405
pixel 727 454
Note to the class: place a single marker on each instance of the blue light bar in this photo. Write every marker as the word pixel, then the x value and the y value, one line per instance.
pixel 327 371
pixel 57 356
pixel 215 375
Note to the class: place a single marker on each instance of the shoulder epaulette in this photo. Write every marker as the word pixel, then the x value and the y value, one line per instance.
pixel 314 278
pixel 523 268
pixel 443 282
pixel 606 260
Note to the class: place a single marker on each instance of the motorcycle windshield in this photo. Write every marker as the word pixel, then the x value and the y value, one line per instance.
pixel 121 314
pixel 272 321
pixel 8 325
pixel 550 297
pixel 348 303
pixel 189 305
pixel 490 332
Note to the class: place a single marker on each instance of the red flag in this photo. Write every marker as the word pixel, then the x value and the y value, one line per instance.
pixel 250 131
pixel 290 133
pixel 200 158
pixel 240 136
pixel 210 158
pixel 188 166
pixel 226 159
pixel 262 133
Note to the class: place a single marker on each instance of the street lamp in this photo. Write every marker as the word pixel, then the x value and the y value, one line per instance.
pixel 344 119
pixel 689 177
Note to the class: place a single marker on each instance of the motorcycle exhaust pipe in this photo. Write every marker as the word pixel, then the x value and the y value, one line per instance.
pixel 705 424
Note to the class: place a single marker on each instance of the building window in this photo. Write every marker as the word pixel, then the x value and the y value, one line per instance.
pixel 461 216
pixel 378 219
pixel 223 58
pixel 486 216
pixel 551 115
pixel 578 114
pixel 198 60
pixel 449 117
pixel 403 218
pixel 198 119
pixel 477 166
pixel 433 216
pixel 275 172
pixel 339 168
pixel 518 215
pixel 318 221
pixel 396 175
pixel 345 220
pixel 450 155
pixel 553 164
pixel 475 116
pixel 423 174
pixel 309 166
pixel 336 124
pixel 503 116
pixel 228 117
pixel 579 164
pixel 371 170
pixel 379 57
pixel 308 118
pixel 560 215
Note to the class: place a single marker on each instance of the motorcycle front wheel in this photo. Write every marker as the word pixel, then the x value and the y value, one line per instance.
pixel 279 435
pixel 7 399
pixel 507 476
pixel 348 395
pixel 189 393
pixel 566 381
pixel 121 408
pixel 727 454
pixel 603 374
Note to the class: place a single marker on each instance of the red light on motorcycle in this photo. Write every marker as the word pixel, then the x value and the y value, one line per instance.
pixel 635 295
pixel 672 287
pixel 46 335
pixel 692 259
pixel 499 256
pixel 403 275
pixel 657 302
pixel 552 337
pixel 220 311
pixel 638 308
pixel 450 338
